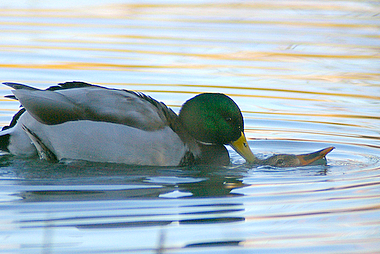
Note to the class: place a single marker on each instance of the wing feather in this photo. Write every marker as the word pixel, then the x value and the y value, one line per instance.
pixel 74 101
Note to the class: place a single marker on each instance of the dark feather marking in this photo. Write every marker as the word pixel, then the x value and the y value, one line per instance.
pixel 43 151
pixel 4 142
pixel 19 86
pixel 14 119
pixel 71 85
pixel 11 96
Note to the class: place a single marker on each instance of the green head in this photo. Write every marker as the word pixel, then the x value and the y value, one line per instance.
pixel 212 118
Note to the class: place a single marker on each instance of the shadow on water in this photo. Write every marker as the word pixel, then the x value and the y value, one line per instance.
pixel 79 181
pixel 138 181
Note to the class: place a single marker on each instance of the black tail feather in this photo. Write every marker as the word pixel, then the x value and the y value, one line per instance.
pixel 19 86
pixel 14 119
pixel 4 142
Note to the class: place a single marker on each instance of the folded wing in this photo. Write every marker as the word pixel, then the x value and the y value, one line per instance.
pixel 73 101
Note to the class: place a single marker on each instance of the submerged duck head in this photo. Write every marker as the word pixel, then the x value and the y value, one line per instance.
pixel 215 119
pixel 292 160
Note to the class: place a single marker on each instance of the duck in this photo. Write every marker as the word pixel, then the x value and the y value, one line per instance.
pixel 81 121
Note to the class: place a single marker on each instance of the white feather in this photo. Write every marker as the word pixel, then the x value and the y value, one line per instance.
pixel 19 142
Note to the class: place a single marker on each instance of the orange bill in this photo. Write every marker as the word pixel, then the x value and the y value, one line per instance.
pixel 306 159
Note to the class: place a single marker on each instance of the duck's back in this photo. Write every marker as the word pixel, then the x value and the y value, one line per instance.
pixel 70 102
pixel 79 121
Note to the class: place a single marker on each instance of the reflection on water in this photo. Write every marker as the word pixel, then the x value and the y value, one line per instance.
pixel 306 76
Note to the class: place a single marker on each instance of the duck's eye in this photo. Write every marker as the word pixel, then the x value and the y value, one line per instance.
pixel 228 119
pixel 280 162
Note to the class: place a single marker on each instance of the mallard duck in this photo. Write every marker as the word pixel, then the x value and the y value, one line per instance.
pixel 81 121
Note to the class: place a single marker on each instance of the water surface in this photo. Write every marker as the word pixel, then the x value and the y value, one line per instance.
pixel 304 73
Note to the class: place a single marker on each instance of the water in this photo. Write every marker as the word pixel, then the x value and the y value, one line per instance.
pixel 306 76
